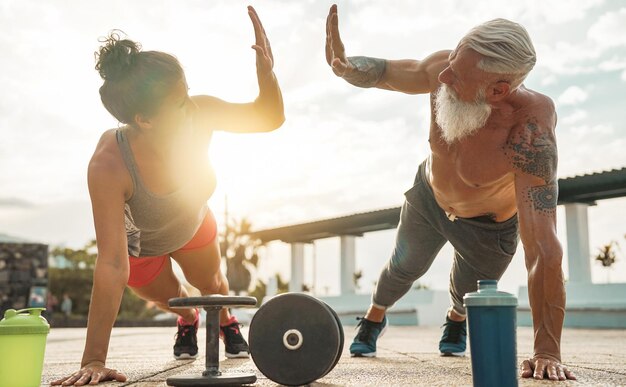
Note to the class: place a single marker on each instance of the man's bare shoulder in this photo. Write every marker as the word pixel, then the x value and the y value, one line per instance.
pixel 531 144
pixel 433 65
pixel 539 107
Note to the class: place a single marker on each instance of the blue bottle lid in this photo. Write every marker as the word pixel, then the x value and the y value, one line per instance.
pixel 488 295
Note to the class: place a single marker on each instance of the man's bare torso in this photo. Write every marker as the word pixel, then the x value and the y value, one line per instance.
pixel 475 176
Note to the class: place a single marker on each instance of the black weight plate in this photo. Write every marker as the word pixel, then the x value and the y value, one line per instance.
pixel 321 339
pixel 341 337
pixel 215 300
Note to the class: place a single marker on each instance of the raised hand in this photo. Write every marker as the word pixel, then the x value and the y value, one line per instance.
pixel 264 57
pixel 539 367
pixel 359 71
pixel 335 51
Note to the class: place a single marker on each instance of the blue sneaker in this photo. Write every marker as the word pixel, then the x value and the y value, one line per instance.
pixel 364 343
pixel 453 341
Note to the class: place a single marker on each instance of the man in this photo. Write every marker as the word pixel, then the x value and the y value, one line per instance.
pixel 491 172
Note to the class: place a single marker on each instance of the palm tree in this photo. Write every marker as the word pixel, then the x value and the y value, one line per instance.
pixel 607 256
pixel 240 251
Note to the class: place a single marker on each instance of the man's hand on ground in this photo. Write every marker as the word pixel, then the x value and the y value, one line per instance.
pixel 540 368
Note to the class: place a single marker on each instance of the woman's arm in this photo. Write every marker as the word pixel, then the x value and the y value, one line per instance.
pixel 266 113
pixel 107 193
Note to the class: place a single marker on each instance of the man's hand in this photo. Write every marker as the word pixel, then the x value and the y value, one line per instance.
pixel 539 368
pixel 335 51
pixel 264 57
pixel 92 373
pixel 359 71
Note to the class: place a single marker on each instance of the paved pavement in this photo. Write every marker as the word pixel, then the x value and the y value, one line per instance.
pixel 407 356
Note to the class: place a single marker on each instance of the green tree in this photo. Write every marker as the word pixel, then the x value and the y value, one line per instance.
pixel 240 250
pixel 260 289
pixel 607 256
pixel 77 282
pixel 356 277
pixel 81 258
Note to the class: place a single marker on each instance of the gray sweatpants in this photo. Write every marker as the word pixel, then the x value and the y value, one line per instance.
pixel 483 248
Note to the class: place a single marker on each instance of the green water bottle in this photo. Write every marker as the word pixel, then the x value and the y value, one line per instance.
pixel 23 336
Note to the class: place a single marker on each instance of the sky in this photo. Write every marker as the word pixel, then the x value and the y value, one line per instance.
pixel 341 150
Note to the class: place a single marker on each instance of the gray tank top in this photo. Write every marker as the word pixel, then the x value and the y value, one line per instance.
pixel 158 224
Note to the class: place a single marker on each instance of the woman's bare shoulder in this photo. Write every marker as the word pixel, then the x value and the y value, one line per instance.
pixel 107 165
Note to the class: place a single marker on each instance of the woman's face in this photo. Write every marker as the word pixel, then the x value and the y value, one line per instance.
pixel 176 110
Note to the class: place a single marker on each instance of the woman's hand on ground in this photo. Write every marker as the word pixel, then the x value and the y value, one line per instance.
pixel 90 374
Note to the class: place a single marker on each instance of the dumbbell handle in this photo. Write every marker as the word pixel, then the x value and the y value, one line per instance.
pixel 211 301
pixel 212 305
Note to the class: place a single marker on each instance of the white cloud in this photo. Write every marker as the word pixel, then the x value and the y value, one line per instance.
pixel 575 117
pixel 573 95
pixel 566 57
pixel 610 29
pixel 595 129
pixel 549 80
pixel 571 51
pixel 612 64
pixel 623 76
pixel 15 203
pixel 555 12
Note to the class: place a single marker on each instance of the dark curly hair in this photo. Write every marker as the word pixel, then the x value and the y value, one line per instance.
pixel 135 81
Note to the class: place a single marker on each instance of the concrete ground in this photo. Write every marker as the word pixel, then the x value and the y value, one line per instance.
pixel 407 356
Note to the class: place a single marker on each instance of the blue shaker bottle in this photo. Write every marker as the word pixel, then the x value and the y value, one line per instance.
pixel 492 319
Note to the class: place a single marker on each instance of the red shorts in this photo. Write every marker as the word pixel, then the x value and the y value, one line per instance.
pixel 145 269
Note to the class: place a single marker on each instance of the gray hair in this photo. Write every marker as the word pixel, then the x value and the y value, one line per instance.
pixel 505 46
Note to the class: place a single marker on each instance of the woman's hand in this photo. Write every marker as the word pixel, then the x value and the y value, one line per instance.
pixel 264 57
pixel 92 373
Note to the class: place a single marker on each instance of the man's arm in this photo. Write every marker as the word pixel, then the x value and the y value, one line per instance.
pixel 407 75
pixel 532 151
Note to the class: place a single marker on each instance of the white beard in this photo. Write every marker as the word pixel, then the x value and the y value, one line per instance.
pixel 458 119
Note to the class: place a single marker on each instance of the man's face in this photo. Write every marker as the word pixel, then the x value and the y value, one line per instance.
pixel 461 105
pixel 458 119
pixel 462 75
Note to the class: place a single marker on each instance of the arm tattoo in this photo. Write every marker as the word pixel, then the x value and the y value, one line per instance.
pixel 533 151
pixel 368 71
pixel 544 198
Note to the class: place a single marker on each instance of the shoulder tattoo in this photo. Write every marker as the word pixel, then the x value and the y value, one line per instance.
pixel 533 151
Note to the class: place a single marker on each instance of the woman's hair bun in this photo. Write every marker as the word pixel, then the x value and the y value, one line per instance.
pixel 116 56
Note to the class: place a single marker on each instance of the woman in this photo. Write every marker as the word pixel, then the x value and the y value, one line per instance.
pixel 149 182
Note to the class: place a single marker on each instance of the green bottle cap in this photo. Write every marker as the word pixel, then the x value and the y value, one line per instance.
pixel 488 295
pixel 24 322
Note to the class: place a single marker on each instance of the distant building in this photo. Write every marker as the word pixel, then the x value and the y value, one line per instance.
pixel 23 273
